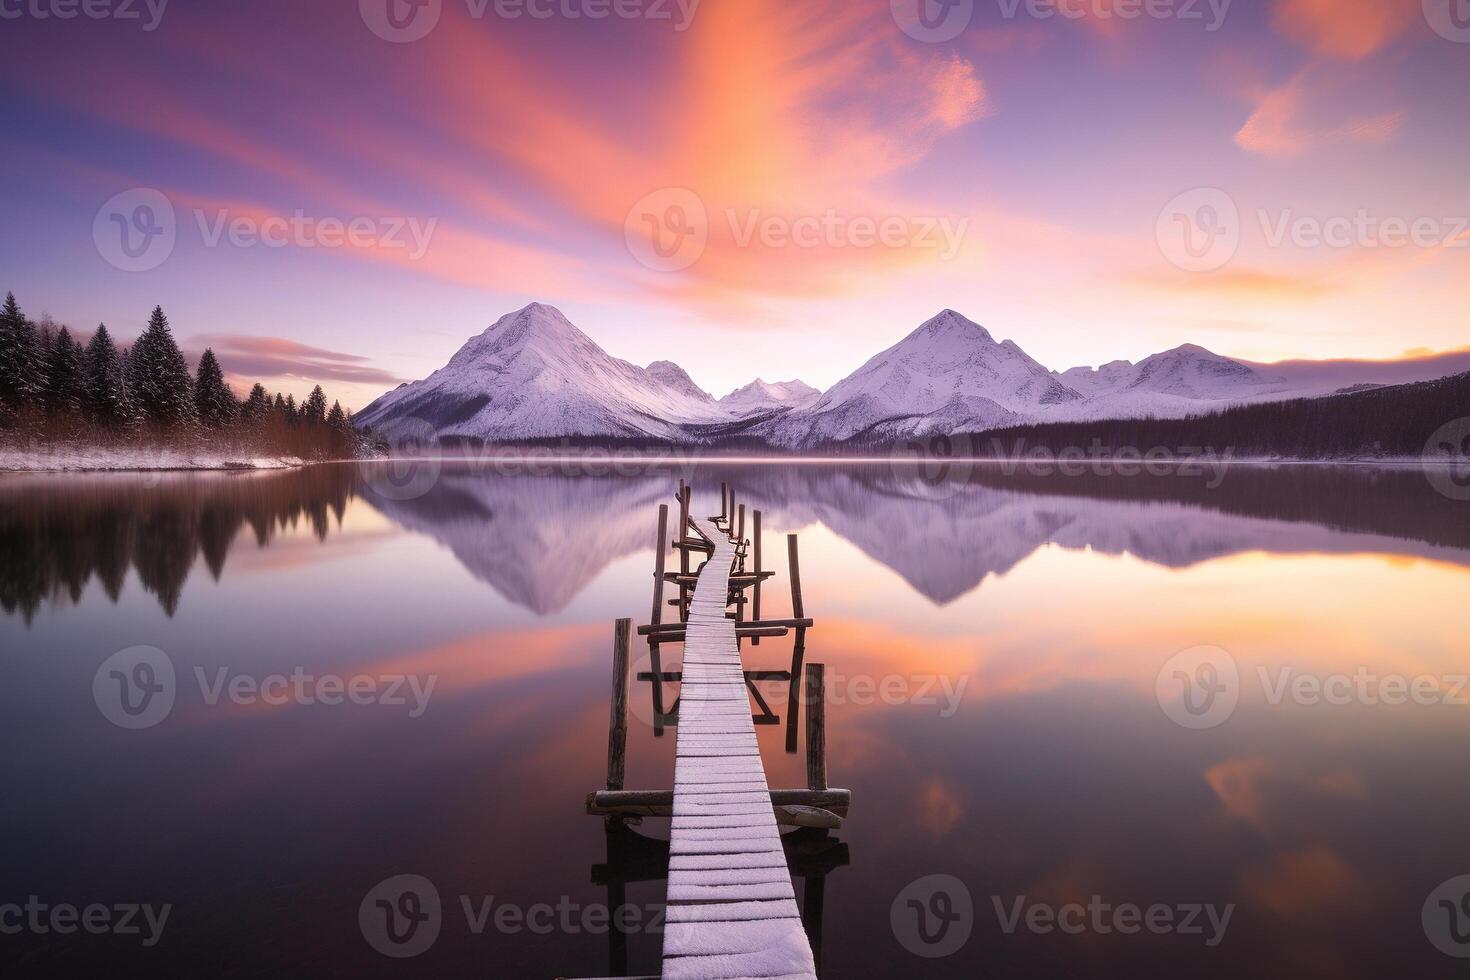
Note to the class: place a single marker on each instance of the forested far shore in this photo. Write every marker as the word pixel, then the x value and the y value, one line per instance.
pixel 58 395
pixel 1407 421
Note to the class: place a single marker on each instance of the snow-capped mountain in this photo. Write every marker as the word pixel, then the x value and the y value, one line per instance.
pixel 1174 382
pixel 948 375
pixel 672 376
pixel 533 375
pixel 762 398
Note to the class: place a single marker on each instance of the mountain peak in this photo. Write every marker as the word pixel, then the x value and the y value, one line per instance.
pixel 762 395
pixel 673 376
pixel 948 323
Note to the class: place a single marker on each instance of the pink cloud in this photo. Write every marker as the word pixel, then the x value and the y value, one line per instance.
pixel 1299 116
pixel 255 358
pixel 1346 29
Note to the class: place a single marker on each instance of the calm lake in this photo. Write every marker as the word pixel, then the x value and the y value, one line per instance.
pixel 372 678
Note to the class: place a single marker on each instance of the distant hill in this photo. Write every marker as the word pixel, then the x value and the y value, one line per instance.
pixel 1388 422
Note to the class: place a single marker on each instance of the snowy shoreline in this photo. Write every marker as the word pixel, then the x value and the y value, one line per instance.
pixel 101 459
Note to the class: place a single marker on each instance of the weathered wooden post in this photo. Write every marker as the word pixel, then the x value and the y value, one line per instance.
pixel 724 493
pixel 683 527
pixel 658 564
pixel 617 729
pixel 792 560
pixel 816 727
pixel 755 605
pixel 655 662
pixel 730 524
pixel 685 496
pixel 794 698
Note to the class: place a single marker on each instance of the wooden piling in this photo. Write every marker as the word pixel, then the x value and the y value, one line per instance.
pixel 658 611
pixel 658 564
pixel 816 727
pixel 795 568
pixel 755 609
pixel 617 729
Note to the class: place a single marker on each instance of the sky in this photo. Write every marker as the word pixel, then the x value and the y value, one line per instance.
pixel 344 191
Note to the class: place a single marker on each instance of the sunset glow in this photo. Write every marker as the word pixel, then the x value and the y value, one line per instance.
pixel 1047 147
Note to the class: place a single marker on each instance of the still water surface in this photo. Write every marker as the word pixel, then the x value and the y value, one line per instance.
pixel 994 646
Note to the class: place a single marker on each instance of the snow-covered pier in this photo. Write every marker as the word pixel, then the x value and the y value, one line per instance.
pixel 732 910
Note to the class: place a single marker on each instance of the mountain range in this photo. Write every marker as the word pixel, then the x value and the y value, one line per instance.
pixel 534 377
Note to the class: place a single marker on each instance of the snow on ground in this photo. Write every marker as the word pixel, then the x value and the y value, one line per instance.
pixel 78 458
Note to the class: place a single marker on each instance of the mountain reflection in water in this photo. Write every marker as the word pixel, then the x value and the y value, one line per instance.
pixel 540 538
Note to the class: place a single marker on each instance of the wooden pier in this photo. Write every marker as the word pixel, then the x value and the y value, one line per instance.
pixel 731 908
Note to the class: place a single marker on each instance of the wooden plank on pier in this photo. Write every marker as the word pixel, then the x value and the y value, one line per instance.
pixel 715 745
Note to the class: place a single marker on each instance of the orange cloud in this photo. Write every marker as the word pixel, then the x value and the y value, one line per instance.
pixel 1243 283
pixel 1281 124
pixel 1347 29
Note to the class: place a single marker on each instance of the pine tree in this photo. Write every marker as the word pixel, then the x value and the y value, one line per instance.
pixel 291 414
pixel 256 407
pixel 314 409
pixel 64 376
pixel 159 377
pixel 337 418
pixel 104 394
pixel 20 361
pixel 214 403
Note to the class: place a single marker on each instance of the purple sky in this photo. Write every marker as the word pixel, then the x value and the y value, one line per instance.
pixel 743 186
